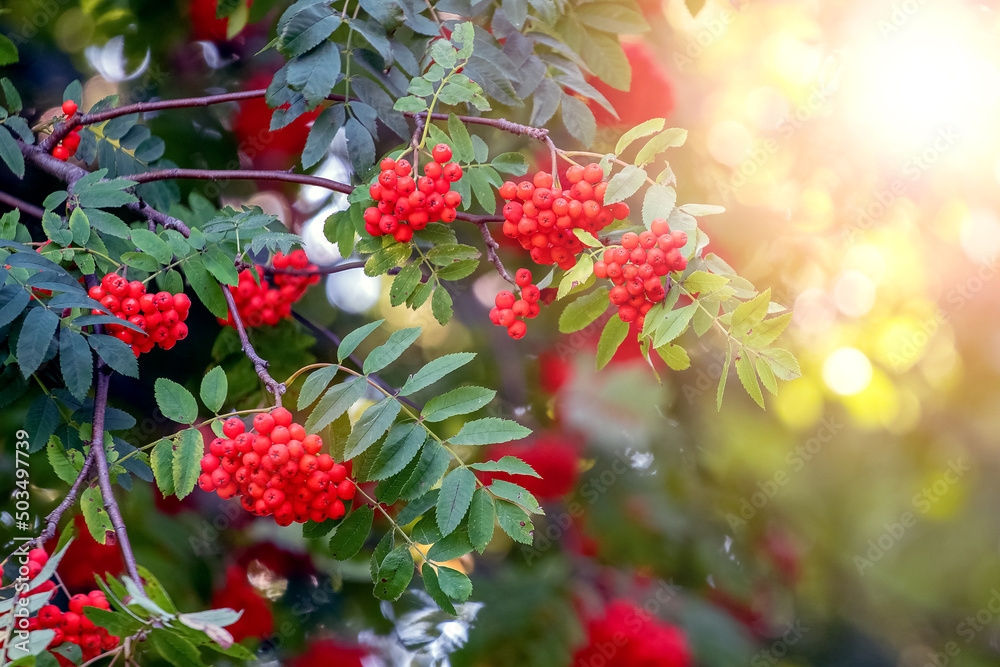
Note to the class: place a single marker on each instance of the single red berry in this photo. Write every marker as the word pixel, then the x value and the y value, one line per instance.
pixel 522 277
pixel 60 153
pixel 69 107
pixel 452 172
pixel 233 427
pixel 505 299
pixel 441 153
pixel 517 329
pixel 282 417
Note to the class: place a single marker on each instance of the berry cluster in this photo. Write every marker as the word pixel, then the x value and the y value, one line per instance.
pixel 276 471
pixel 264 303
pixel 160 315
pixel 637 267
pixel 67 147
pixel 406 205
pixel 511 311
pixel 69 626
pixel 542 218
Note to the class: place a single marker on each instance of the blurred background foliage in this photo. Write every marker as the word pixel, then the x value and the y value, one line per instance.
pixel 852 523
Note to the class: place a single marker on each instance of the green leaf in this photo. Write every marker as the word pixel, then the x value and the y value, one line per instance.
pixel 360 148
pixel 445 254
pixel 441 305
pixel 80 226
pixel 749 314
pixel 514 521
pixel 454 583
pixel 578 119
pixel 624 184
pixel 316 73
pixel 388 352
pixel 782 362
pixel 10 94
pixel 454 498
pixel 461 142
pixel 669 138
pixel 611 17
pixel 644 129
pixel 334 403
pixel 584 310
pixel 434 371
pixel 410 103
pixel 395 574
pixel 175 402
pixel 76 362
pixel 459 401
pixel 612 337
pixel 766 332
pixel 516 494
pixel 433 589
pixel 188 451
pixel 587 239
pixel 205 287
pixel 353 339
pixel 510 163
pixel 8 52
pixel 351 534
pixel 9 151
pixel 481 519
pixel 214 389
pixel 374 422
pixel 175 649
pixel 153 245
pixel 433 463
pixel 724 378
pixel 766 375
pixel 220 265
pixel 161 460
pixel 314 385
pixel 455 545
pixel 37 332
pixel 60 463
pixel 674 324
pixel 307 28
pixel 322 134
pixel 657 203
pixel 675 356
pixel 704 283
pixel 488 431
pixel 744 369
pixel 98 521
pixel 401 445
pixel 404 283
pixel 140 261
pixel 387 258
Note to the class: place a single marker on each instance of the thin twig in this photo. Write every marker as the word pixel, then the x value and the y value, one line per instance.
pixel 21 205
pixel 491 251
pixel 318 271
pixel 260 365
pixel 62 129
pixel 107 493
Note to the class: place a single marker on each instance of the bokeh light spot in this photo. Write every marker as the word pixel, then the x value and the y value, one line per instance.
pixel 847 371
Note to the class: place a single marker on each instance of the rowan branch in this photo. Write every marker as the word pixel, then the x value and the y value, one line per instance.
pixel 318 271
pixel 260 364
pixel 70 174
pixel 60 130
pixel 21 205
pixel 104 478
pixel 491 251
